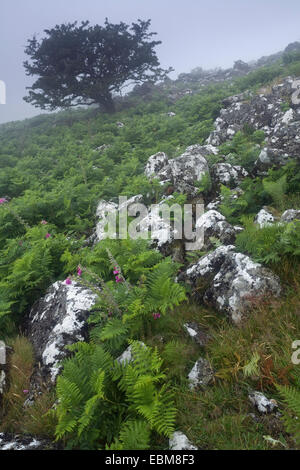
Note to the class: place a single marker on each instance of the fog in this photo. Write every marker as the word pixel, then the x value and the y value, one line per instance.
pixel 193 33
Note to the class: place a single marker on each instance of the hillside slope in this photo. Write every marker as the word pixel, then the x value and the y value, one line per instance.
pixel 201 342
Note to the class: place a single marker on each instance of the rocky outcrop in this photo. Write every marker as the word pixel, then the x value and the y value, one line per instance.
pixel 57 320
pixel 155 164
pixel 182 173
pixel 270 157
pixel 151 224
pixel 201 374
pixel 234 282
pixel 213 225
pixel 264 112
pixel 228 175
pixel 162 232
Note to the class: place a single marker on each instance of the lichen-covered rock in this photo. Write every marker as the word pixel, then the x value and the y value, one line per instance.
pixel 290 215
pixel 153 226
pixel 179 441
pixel 162 232
pixel 57 320
pixel 208 266
pixel 228 175
pixel 214 225
pixel 102 148
pixel 264 218
pixel 198 335
pixel 262 403
pixel 127 355
pixel 270 157
pixel 19 442
pixel 2 382
pixel 201 374
pixel 182 172
pixel 263 112
pixel 214 204
pixel 155 164
pixel 105 208
pixel 188 169
pixel 234 281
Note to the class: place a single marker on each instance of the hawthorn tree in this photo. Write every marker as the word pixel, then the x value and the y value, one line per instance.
pixel 85 65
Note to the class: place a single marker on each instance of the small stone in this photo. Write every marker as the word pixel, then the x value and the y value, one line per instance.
pixel 290 215
pixel 262 403
pixel 198 335
pixel 201 374
pixel 127 356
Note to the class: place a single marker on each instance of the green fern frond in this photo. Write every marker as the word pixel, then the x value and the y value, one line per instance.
pixel 134 435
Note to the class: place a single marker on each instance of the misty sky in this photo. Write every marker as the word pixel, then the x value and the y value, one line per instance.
pixel 207 33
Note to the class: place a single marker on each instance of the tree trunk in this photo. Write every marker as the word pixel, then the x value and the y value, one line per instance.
pixel 107 103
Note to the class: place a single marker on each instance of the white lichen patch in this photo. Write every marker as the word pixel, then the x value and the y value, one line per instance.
pixel 2 381
pixel 206 264
pixel 156 163
pixel 288 116
pixel 127 355
pixel 179 441
pixel 62 313
pixel 234 280
pixel 201 374
pixel 264 218
pixel 262 403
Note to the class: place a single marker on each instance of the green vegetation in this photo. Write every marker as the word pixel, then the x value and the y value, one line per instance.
pixel 116 54
pixel 53 171
pixel 127 399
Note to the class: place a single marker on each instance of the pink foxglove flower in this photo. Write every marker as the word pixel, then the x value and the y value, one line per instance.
pixel 25 391
pixel 116 271
pixel 79 271
pixel 48 235
pixel 156 316
pixel 44 222
pixel 3 200
pixel 68 281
